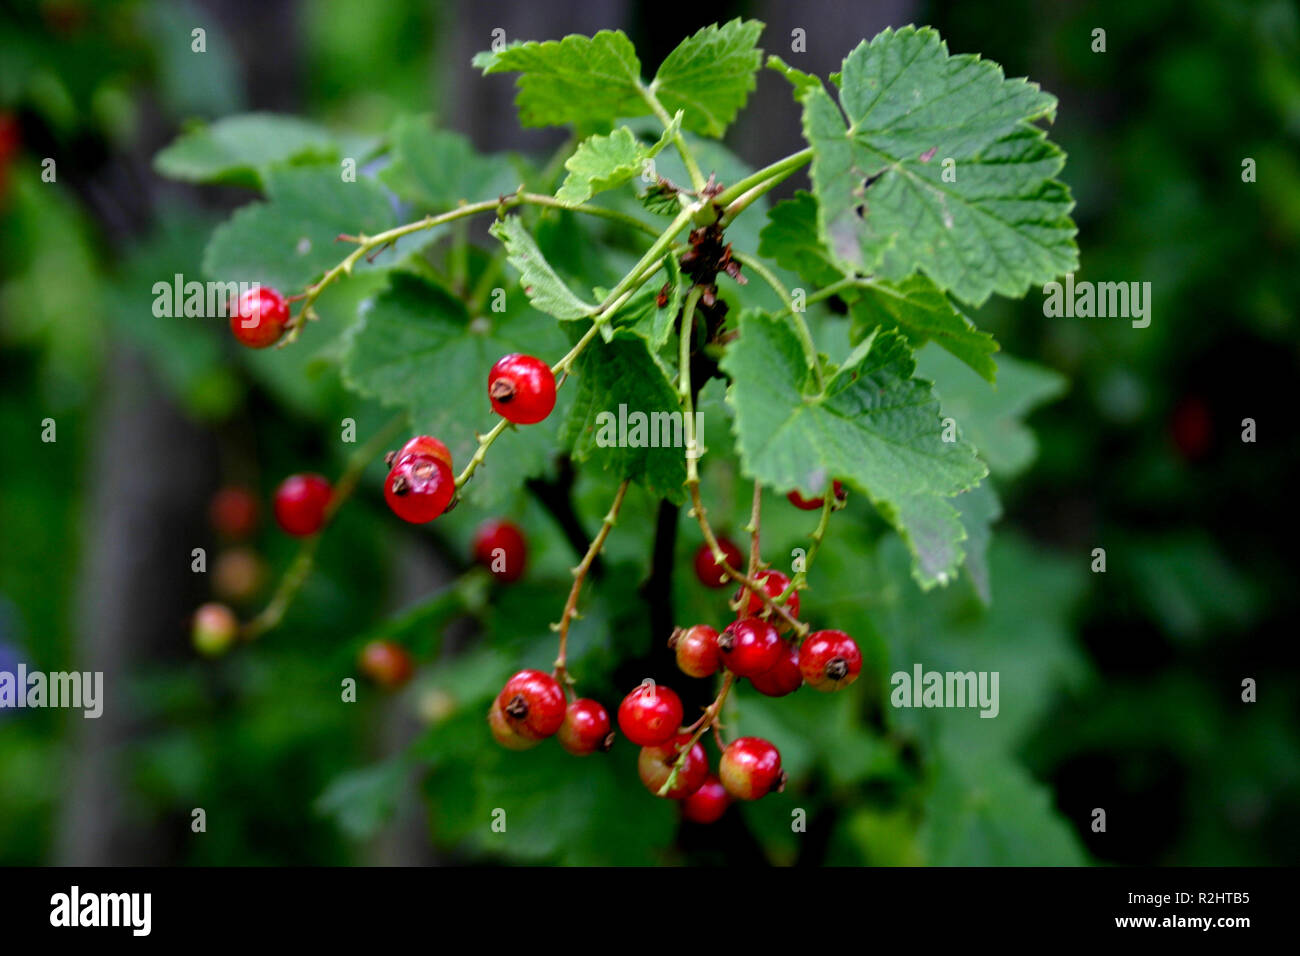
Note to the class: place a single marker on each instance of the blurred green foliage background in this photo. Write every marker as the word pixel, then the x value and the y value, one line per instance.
pixel 1120 691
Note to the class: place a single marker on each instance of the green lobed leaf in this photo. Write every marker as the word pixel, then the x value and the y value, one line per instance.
pixel 790 239
pixel 417 347
pixel 240 149
pixel 879 162
pixel 710 75
pixel 620 382
pixel 979 508
pixel 642 313
pixel 435 168
pixel 575 80
pixel 873 426
pixel 290 240
pixel 545 290
pixel 604 162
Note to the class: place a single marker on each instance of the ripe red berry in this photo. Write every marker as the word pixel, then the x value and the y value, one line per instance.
pixel 215 629
pixel 421 445
pixel 783 677
pixel 707 804
pixel 697 650
pixel 500 547
pixel 829 660
pixel 386 663
pixel 504 731
pixel 586 728
pixel 774 583
pixel 650 715
pixel 812 504
pixel 234 512
pixel 522 389
pixel 1192 428
pixel 419 488
pixel 655 766
pixel 751 768
pixel 750 646
pixel 707 570
pixel 259 317
pixel 300 504
pixel 533 704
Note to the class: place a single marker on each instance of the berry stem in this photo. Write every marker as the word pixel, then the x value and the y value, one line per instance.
pixel 755 516
pixel 756 265
pixel 300 568
pixel 818 535
pixel 679 141
pixel 708 721
pixel 579 576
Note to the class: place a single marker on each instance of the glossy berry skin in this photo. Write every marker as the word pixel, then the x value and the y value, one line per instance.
pixel 707 804
pixel 750 646
pixel 423 445
pixel 419 488
pixel 234 511
pixel 215 629
pixel 533 704
pixel 650 715
pixel 655 766
pixel 500 547
pixel 586 728
pixel 812 504
pixel 504 731
pixel 710 575
pixel 829 660
pixel 697 650
pixel 386 663
pixel 783 677
pixel 259 317
pixel 300 504
pixel 522 389
pixel 774 583
pixel 751 768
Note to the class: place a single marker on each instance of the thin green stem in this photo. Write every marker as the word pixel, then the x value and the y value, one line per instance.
pixel 770 174
pixel 709 721
pixel 679 141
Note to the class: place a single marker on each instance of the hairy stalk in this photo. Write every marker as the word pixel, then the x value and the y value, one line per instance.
pixel 296 574
pixel 768 176
pixel 755 514
pixel 707 722
pixel 800 326
pixel 580 575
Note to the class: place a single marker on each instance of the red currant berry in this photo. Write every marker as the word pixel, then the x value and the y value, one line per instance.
pixel 215 629
pixel 586 728
pixel 774 583
pixel 750 646
pixel 500 547
pixel 419 488
pixel 751 768
pixel 238 574
pixel 386 663
pixel 259 317
pixel 300 504
pixel 1192 428
pixel 234 512
pixel 504 731
pixel 650 715
pixel 707 804
pixel 533 704
pixel 655 766
pixel 708 571
pixel 783 677
pixel 812 504
pixel 830 660
pixel 522 389
pixel 421 445
pixel 697 650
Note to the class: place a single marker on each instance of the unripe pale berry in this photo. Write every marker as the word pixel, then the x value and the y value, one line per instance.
pixel 707 569
pixel 300 504
pixel 697 650
pixel 215 629
pixel 238 574
pixel 751 768
pixel 258 317
pixel 500 546
pixel 650 715
pixel 533 704
pixel 522 389
pixel 830 660
pixel 707 804
pixel 586 728
pixel 655 766
pixel 387 663
pixel 750 646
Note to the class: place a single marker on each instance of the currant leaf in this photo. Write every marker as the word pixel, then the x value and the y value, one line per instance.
pixel 239 150
pixel 545 290
pixel 604 162
pixel 435 169
pixel 710 75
